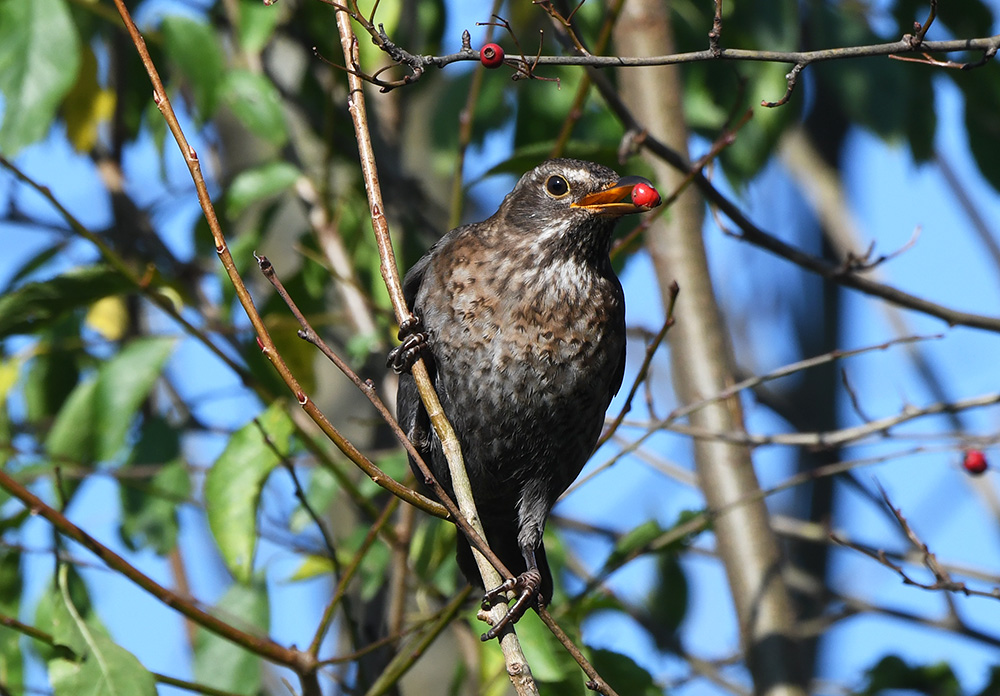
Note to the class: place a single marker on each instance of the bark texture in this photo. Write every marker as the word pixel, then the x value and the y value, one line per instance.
pixel 702 366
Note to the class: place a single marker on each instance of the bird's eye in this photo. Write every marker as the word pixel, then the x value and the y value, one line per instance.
pixel 556 186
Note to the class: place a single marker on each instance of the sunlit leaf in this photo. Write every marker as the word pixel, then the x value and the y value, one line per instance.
pixel 87 105
pixel 92 424
pixel 311 567
pixel 108 317
pixel 39 58
pixel 35 305
pixel 234 483
pixel 99 667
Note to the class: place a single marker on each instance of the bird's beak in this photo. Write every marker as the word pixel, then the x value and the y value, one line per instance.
pixel 618 200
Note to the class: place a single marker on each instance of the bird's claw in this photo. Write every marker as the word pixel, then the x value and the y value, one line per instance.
pixel 526 586
pixel 414 342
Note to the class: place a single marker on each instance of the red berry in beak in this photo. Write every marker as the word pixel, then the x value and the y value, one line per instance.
pixel 974 462
pixel 491 55
pixel 645 196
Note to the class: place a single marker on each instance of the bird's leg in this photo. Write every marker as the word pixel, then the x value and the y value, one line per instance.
pixel 414 342
pixel 527 587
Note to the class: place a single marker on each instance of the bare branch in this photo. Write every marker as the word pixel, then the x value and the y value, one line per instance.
pixel 942 578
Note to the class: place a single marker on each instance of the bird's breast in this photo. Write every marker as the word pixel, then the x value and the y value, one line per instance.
pixel 536 335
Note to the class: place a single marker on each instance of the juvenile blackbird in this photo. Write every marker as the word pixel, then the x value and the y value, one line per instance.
pixel 521 322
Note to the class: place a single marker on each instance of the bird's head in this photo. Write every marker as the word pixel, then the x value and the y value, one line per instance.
pixel 567 204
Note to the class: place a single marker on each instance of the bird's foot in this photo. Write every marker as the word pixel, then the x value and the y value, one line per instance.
pixel 526 587
pixel 414 342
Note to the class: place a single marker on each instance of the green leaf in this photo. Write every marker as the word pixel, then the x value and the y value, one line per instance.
pixel 322 488
pixel 52 372
pixel 222 664
pixel 36 305
pixel 149 504
pixel 312 566
pixel 95 419
pixel 39 58
pixel 892 673
pixel 11 658
pixel 149 517
pixel 993 686
pixel 259 183
pixel 87 105
pixel 257 23
pixel 234 483
pixel 194 48
pixel 550 663
pixel 982 101
pixel 634 541
pixel 623 674
pixel 256 103
pixel 433 553
pixel 668 602
pixel 99 666
pixel 123 384
pixel 73 436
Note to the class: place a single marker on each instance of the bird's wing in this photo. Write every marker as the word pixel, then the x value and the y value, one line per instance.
pixel 619 374
pixel 415 276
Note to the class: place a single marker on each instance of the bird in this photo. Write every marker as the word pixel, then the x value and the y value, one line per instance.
pixel 520 319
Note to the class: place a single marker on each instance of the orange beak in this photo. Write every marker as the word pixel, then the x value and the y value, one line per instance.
pixel 617 200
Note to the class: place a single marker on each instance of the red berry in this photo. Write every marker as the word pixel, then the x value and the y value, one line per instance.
pixel 491 55
pixel 974 462
pixel 645 196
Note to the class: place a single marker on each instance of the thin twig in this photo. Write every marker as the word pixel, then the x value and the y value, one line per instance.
pixel 942 579
pixel 367 387
pixel 410 653
pixel 643 368
pixel 47 638
pixel 517 666
pixel 753 234
pixel 341 590
pixel 596 682
pixel 301 662
pixel 905 45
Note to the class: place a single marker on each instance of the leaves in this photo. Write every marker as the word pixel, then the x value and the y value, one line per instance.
pixel 255 101
pixel 36 305
pixel 893 673
pixel 234 483
pixel 253 185
pixel 194 49
pixel 11 658
pixel 39 58
pixel 149 504
pixel 623 672
pixel 218 662
pixel 87 105
pixel 98 667
pixel 92 424
pixel 257 23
